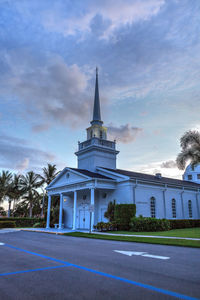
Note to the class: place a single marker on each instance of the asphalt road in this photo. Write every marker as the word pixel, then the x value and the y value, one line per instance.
pixel 44 266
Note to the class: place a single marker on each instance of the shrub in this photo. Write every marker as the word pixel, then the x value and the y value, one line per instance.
pixel 149 224
pixel 109 214
pixel 23 222
pixel 7 224
pixel 123 215
pixel 39 225
pixel 109 226
pixel 185 223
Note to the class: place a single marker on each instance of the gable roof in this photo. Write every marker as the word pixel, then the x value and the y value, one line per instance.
pixel 90 174
pixel 164 180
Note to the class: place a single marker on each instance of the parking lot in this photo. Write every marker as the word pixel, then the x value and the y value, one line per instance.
pixel 41 266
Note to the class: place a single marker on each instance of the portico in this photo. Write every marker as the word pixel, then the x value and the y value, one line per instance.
pixel 77 198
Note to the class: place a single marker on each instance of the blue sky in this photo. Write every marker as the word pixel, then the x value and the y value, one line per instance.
pixel 148 55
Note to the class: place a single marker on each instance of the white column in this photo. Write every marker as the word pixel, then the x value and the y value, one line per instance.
pixel 48 212
pixel 92 203
pixel 61 210
pixel 74 213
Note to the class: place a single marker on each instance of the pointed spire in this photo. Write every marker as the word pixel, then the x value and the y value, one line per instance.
pixel 96 109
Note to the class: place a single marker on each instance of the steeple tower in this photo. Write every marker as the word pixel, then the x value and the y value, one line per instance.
pixel 96 108
pixel 96 151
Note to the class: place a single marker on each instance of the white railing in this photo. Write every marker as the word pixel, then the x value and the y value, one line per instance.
pixel 96 141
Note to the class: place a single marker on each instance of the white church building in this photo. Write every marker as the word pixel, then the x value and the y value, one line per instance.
pixel 85 191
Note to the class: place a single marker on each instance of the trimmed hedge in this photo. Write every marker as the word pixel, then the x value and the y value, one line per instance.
pixel 149 224
pixel 7 224
pixel 185 223
pixel 23 222
pixel 123 214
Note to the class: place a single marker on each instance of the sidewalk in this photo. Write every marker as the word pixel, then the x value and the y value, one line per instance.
pixel 150 236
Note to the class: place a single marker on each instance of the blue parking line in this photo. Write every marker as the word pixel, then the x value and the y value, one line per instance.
pixel 32 270
pixel 139 284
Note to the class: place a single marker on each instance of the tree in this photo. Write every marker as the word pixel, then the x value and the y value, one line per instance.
pixel 16 190
pixel 29 184
pixel 190 144
pixel 109 214
pixel 2 212
pixel 49 174
pixel 5 187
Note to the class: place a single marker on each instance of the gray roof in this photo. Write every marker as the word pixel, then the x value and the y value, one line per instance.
pixel 164 180
pixel 91 174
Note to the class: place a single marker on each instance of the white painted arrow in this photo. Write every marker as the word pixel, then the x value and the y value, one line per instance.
pixel 145 254
pixel 156 256
pixel 130 253
pixel 1 244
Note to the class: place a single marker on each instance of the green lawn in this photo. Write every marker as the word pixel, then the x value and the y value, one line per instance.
pixel 186 232
pixel 174 242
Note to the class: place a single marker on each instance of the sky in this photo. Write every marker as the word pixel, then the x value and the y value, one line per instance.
pixel 148 56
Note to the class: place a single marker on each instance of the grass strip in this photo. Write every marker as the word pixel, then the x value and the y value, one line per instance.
pixel 186 232
pixel 172 242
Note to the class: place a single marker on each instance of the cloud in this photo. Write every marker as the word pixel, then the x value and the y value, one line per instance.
pixel 17 154
pixel 23 165
pixel 102 17
pixel 51 90
pixel 169 164
pixel 124 134
pixel 157 167
pixel 40 127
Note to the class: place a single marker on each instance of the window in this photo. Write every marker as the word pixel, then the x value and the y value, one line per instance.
pixel 101 134
pixel 189 177
pixel 84 197
pixel 190 208
pixel 198 176
pixel 104 195
pixel 91 134
pixel 173 208
pixel 153 207
pixel 67 175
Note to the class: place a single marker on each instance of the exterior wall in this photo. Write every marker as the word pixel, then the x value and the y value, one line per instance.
pixel 174 194
pixel 127 193
pixel 96 158
pixel 143 195
pixel 190 196
pixel 68 206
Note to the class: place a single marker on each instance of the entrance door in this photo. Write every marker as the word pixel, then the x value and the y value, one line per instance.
pixel 84 219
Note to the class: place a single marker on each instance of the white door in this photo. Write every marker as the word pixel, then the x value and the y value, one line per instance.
pixel 84 219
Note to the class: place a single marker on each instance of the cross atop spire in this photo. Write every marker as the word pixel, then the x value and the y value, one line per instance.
pixel 96 109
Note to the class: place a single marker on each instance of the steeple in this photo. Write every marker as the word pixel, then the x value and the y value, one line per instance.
pixel 96 108
pixel 96 151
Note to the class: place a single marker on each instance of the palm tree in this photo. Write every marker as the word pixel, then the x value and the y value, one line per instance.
pixel 16 191
pixel 5 187
pixel 29 184
pixel 190 144
pixel 49 174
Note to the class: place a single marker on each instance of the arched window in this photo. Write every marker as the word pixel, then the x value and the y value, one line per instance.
pixel 173 208
pixel 153 207
pixel 190 208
